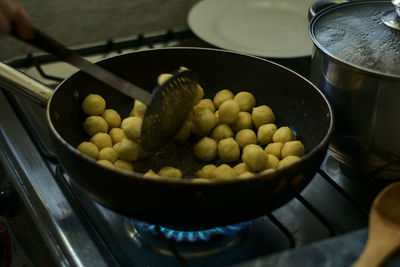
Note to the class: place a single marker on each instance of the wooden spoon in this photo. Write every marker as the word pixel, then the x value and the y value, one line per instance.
pixel 383 229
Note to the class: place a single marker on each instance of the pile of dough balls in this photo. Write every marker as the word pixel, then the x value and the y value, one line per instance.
pixel 236 138
pixel 240 137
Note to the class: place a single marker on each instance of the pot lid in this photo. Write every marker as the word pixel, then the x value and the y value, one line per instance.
pixel 358 34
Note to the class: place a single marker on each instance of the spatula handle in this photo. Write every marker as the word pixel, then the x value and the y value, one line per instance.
pixel 44 42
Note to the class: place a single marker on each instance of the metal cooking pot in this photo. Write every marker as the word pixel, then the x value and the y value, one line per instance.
pixel 355 62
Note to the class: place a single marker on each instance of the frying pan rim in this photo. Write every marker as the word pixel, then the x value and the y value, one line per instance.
pixel 188 182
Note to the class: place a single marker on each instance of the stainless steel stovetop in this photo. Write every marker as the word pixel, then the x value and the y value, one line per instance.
pixel 61 226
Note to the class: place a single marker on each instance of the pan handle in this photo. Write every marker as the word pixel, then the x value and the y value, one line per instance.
pixel 18 82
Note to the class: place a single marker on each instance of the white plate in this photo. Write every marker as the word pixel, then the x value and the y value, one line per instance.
pixel 267 28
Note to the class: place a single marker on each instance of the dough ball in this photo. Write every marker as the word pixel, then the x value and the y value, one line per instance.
pixel 95 124
pixel 112 118
pixel 101 140
pixel 228 111
pixel 184 132
pixel 203 122
pixel 117 146
pixel 105 162
pixel 223 171
pixel 245 137
pixel 200 94
pixel 163 77
pixel 222 131
pixel 89 149
pixel 150 173
pixel 117 134
pixel 221 96
pixel 255 157
pixel 243 121
pixel 128 150
pixel 283 134
pixel 228 150
pixel 124 165
pixel 132 127
pixel 241 168
pixel 170 172
pixel 108 153
pixel 272 162
pixel 262 115
pixel 245 100
pixel 205 103
pixel 274 149
pixel 93 105
pixel 292 148
pixel 288 161
pixel 217 120
pixel 265 133
pixel 139 109
pixel 205 149
pixel 246 175
pixel 206 171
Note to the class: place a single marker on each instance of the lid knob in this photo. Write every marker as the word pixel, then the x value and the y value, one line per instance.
pixel 392 18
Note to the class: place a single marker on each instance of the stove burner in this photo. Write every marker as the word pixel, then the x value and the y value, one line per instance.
pixel 192 235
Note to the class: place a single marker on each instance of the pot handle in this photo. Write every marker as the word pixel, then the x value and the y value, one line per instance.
pixel 18 82
pixel 320 5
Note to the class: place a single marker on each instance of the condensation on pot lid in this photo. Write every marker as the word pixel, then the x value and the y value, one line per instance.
pixel 355 34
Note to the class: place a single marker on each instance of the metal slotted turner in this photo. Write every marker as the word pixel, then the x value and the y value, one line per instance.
pixel 167 106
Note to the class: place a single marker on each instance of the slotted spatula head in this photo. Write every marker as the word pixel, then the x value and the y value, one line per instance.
pixel 170 106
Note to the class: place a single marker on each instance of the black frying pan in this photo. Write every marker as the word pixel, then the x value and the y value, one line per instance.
pixel 295 101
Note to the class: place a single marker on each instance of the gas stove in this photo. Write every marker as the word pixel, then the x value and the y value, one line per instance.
pixel 61 226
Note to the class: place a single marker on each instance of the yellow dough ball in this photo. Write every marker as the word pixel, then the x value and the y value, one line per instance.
pixel 246 175
pixel 150 173
pixel 203 122
pixel 184 132
pixel 217 120
pixel 228 150
pixel 245 100
pixel 139 109
pixel 132 127
pixel 221 96
pixel 101 140
pixel 163 77
pixel 205 149
pixel 170 172
pixel 112 118
pixel 117 134
pixel 243 121
pixel 245 137
pixel 228 111
pixel 241 168
pixel 274 149
pixel 288 161
pixel 128 150
pixel 292 148
pixel 255 157
pixel 89 149
pixel 108 153
pixel 262 115
pixel 95 124
pixel 223 171
pixel 205 103
pixel 105 162
pixel 124 165
pixel 283 134
pixel 206 170
pixel 222 131
pixel 200 94
pixel 93 105
pixel 117 146
pixel 265 133
pixel 272 162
